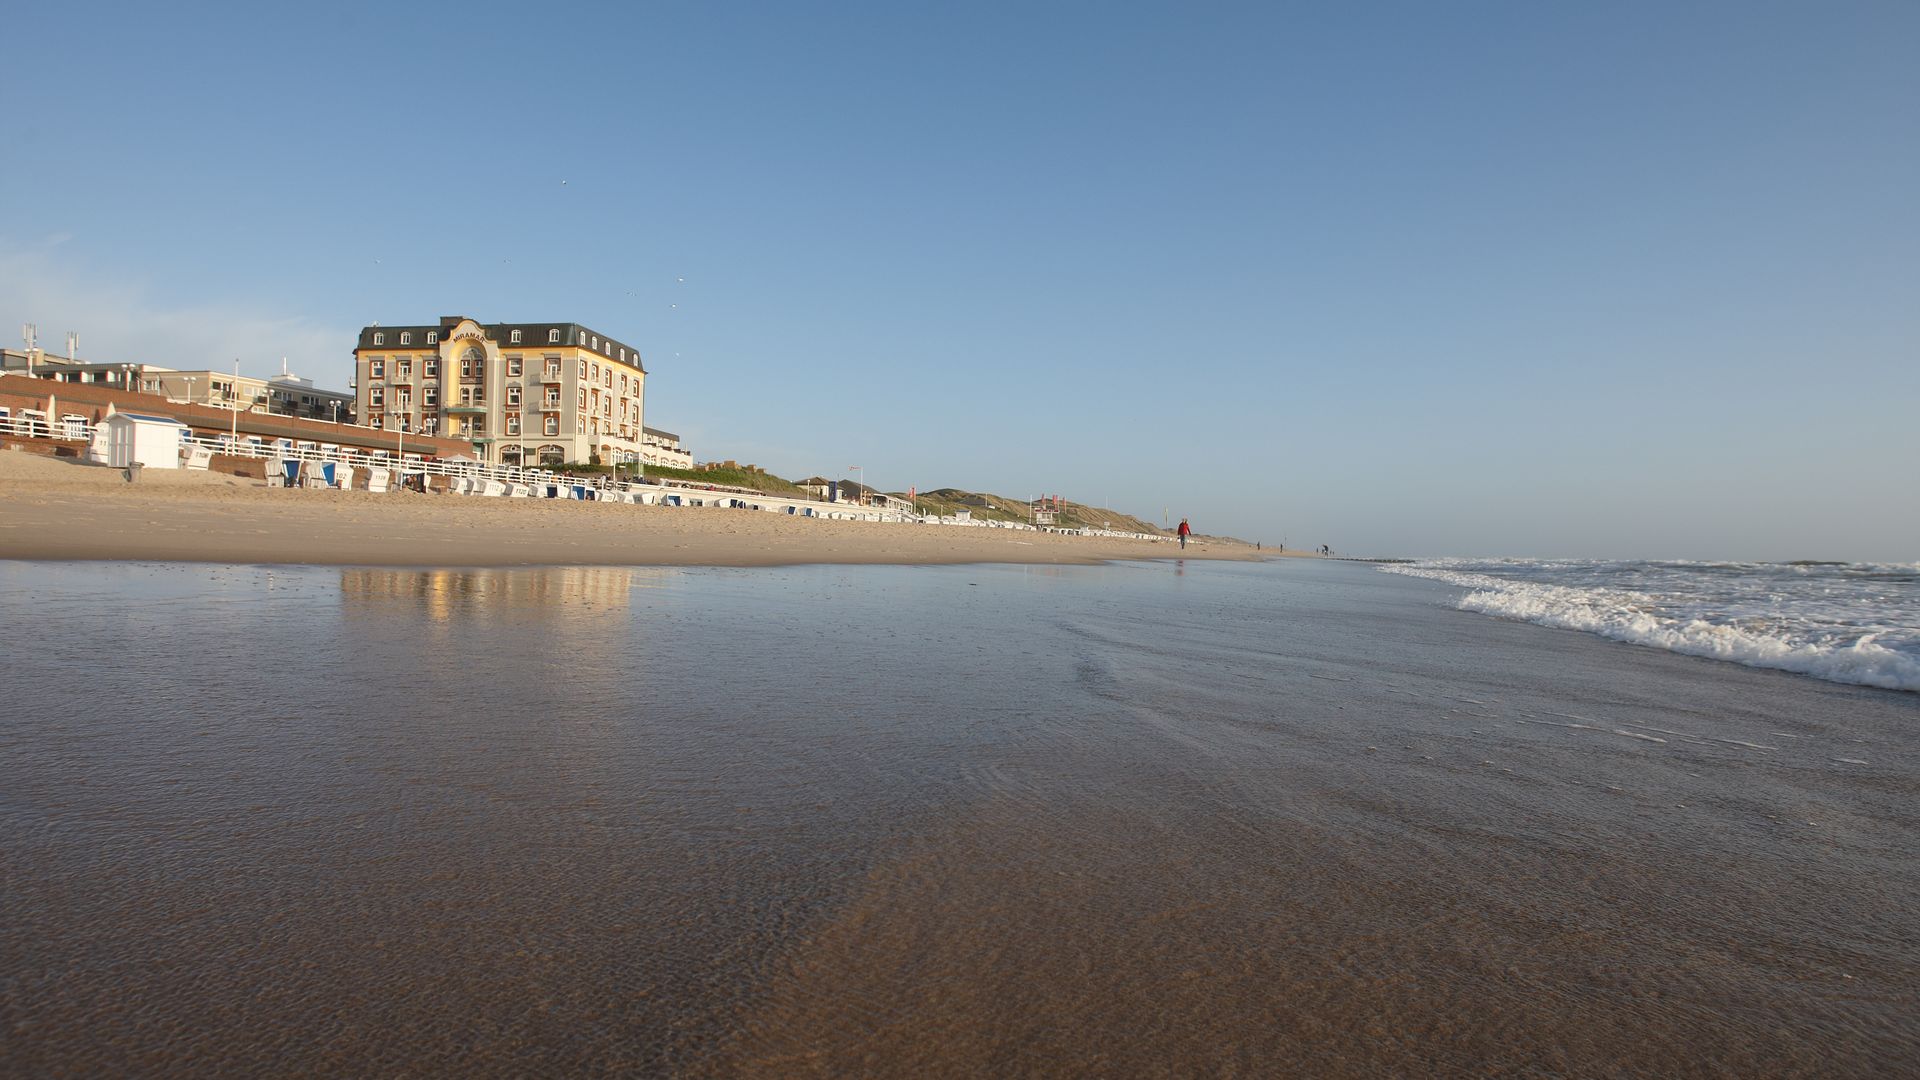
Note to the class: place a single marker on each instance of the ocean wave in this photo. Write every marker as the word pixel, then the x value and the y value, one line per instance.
pixel 1659 620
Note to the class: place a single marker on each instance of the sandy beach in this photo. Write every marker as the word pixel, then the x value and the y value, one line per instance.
pixel 1297 818
pixel 52 509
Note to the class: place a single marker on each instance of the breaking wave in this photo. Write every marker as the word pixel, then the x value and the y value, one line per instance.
pixel 1853 623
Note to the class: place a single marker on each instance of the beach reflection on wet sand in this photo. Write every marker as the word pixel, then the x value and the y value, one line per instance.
pixel 926 821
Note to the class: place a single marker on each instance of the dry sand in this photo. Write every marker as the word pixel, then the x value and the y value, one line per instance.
pixel 55 509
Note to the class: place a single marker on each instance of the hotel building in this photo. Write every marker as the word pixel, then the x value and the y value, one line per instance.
pixel 521 393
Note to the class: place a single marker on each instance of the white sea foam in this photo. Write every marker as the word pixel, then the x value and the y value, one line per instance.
pixel 1850 623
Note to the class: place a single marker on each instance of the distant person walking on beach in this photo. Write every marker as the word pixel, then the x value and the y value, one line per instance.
pixel 1184 530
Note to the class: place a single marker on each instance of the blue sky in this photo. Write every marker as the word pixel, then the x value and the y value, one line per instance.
pixel 1626 279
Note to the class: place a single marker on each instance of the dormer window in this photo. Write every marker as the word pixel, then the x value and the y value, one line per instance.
pixel 553 336
pixel 406 337
pixel 433 337
pixel 514 337
pixel 379 338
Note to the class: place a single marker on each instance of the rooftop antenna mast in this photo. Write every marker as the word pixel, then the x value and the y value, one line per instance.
pixel 31 335
pixel 73 345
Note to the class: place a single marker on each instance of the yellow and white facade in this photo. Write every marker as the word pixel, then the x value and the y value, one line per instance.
pixel 521 393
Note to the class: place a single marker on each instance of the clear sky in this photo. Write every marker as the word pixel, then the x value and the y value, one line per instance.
pixel 1636 279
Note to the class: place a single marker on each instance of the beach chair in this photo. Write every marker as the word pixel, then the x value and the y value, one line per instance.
pixel 377 480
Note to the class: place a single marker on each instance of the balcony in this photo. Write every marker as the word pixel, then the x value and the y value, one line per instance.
pixel 469 410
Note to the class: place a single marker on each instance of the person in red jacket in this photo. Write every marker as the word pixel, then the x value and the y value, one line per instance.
pixel 1184 531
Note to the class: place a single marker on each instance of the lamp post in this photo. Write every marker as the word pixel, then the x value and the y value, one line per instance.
pixel 861 480
pixel 400 443
pixel 233 439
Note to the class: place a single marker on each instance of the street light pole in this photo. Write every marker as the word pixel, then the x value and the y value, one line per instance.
pixel 862 481
pixel 234 438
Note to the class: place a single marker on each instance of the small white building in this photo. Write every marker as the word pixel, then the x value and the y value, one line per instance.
pixel 153 441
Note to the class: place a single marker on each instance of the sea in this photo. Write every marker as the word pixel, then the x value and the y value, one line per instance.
pixel 1842 621
pixel 1169 817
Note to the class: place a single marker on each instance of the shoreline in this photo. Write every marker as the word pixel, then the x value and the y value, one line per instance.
pixel 52 510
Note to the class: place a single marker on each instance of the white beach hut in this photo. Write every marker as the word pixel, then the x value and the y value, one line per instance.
pixel 152 441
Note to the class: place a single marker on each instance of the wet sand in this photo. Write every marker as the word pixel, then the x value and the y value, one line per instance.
pixel 1223 819
pixel 60 510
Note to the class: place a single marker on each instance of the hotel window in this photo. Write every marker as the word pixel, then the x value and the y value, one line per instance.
pixel 376 398
pixel 552 425
pixel 609 378
pixel 513 395
pixel 583 369
pixel 513 366
pixel 606 407
pixel 623 357
pixel 596 341
pixel 433 337
pixel 406 337
pixel 553 336
pixel 553 367
pixel 466 369
pixel 513 425
pixel 583 399
pixel 430 397
pixel 594 373
pixel 404 395
pixel 379 339
pixel 430 369
pixel 513 337
pixel 402 368
pixel 553 397
pixel 376 369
